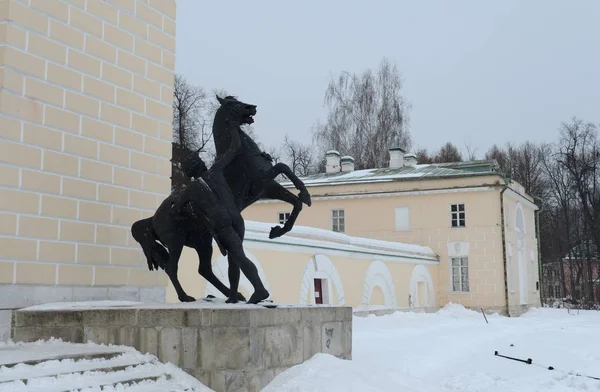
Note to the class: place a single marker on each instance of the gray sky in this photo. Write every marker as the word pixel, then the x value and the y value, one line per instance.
pixel 477 72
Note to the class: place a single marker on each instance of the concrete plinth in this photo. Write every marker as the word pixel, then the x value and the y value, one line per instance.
pixel 227 347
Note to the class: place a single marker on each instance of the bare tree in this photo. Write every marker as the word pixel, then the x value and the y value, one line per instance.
pixel 367 116
pixel 447 153
pixel 299 157
pixel 522 163
pixel 190 126
pixel 501 156
pixel 191 130
pixel 557 233
pixel 579 155
pixel 423 156
pixel 471 152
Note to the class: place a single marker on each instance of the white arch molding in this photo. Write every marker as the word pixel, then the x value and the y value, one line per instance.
pixel 379 275
pixel 519 219
pixel 320 266
pixel 521 252
pixel 220 267
pixel 421 274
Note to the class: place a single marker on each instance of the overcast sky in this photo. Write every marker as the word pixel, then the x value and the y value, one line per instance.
pixel 477 72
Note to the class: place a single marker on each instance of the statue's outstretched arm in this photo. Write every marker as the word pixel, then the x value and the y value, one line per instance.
pixel 234 147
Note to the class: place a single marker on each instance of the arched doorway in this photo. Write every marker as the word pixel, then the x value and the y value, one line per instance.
pixel 422 294
pixel 319 281
pixel 378 276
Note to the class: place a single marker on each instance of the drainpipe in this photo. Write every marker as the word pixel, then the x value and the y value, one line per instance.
pixel 502 223
pixel 539 247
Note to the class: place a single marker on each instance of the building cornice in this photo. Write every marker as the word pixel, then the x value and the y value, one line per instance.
pixel 385 179
pixel 513 194
pixel 479 188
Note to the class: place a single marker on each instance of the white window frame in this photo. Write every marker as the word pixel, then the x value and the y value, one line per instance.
pixel 455 215
pixel 286 216
pixel 403 227
pixel 463 262
pixel 335 220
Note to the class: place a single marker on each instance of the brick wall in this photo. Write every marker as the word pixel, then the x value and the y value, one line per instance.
pixel 85 133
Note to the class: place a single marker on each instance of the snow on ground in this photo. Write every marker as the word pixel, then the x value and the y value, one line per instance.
pixel 448 351
pixel 453 350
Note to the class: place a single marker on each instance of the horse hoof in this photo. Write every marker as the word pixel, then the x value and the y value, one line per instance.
pixel 305 198
pixel 241 297
pixel 258 296
pixel 232 300
pixel 276 232
pixel 187 298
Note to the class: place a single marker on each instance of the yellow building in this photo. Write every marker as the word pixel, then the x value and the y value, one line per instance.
pixel 481 227
pixel 85 142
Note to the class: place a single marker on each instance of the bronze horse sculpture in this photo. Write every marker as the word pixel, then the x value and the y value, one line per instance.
pixel 207 208
pixel 251 175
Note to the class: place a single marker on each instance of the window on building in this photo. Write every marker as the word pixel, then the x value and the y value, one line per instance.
pixel 283 217
pixel 458 215
pixel 339 221
pixel 460 274
pixel 402 219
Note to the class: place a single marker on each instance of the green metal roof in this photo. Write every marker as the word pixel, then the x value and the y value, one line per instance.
pixel 425 171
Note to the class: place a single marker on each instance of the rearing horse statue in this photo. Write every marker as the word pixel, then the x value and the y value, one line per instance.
pixel 251 175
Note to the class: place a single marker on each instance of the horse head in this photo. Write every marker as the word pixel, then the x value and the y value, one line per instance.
pixel 233 110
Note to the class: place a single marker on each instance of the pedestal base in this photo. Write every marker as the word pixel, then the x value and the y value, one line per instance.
pixel 227 347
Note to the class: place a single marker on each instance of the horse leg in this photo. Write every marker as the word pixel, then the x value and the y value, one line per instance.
pixel 235 250
pixel 275 191
pixel 282 168
pixel 234 279
pixel 172 267
pixel 204 250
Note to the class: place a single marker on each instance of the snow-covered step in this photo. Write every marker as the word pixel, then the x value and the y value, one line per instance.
pixel 11 354
pixel 56 366
pixel 81 356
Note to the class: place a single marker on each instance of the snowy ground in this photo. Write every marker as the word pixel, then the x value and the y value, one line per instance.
pixel 453 350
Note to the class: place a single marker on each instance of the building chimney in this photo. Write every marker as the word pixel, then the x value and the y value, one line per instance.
pixel 347 164
pixel 410 159
pixel 333 161
pixel 396 157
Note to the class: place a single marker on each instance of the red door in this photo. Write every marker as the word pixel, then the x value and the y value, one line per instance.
pixel 318 291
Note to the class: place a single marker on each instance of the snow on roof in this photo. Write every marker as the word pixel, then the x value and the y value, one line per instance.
pixel 434 170
pixel 315 237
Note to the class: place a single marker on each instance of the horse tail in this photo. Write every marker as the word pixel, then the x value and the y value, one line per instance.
pixel 156 254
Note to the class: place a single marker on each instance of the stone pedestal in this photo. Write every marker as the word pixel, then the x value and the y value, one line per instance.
pixel 228 348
